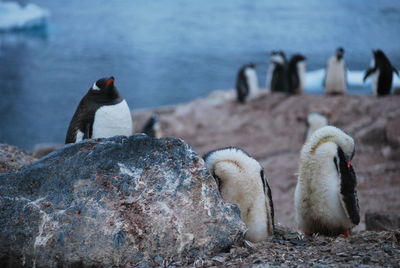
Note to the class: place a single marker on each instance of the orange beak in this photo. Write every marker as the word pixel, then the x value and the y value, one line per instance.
pixel 110 81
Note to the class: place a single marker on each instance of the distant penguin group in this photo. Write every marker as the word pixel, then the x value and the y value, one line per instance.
pixel 289 76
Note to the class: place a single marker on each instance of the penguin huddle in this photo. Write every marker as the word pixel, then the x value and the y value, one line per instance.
pixel 286 76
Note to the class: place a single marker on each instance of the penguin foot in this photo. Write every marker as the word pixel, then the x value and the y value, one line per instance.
pixel 346 233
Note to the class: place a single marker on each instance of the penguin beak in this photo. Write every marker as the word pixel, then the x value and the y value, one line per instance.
pixel 348 164
pixel 110 81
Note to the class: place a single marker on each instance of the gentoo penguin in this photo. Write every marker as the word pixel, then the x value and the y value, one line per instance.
pixel 246 83
pixel 101 113
pixel 276 76
pixel 314 121
pixel 296 74
pixel 153 127
pixel 241 181
pixel 382 73
pixel 335 81
pixel 325 196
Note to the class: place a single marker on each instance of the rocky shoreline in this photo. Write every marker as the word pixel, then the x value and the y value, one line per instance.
pixel 271 128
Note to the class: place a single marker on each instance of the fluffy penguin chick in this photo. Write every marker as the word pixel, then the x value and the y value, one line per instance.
pixel 335 81
pixel 314 121
pixel 241 181
pixel 325 196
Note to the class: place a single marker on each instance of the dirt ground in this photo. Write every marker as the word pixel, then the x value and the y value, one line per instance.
pixel 271 128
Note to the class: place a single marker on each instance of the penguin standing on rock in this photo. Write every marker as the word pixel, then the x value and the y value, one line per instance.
pixel 335 81
pixel 382 73
pixel 101 113
pixel 153 127
pixel 241 181
pixel 276 76
pixel 247 83
pixel 325 195
pixel 296 74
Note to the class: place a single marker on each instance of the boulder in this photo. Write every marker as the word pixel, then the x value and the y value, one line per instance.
pixel 382 221
pixel 114 202
pixel 12 158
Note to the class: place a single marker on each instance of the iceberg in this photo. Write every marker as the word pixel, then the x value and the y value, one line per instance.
pixel 14 17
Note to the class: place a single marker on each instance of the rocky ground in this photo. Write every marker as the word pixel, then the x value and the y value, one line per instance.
pixel 272 129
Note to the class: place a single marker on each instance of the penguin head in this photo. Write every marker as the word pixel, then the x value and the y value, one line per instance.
pixel 298 58
pixel 104 84
pixel 251 65
pixel 380 58
pixel 339 53
pixel 331 134
pixel 278 57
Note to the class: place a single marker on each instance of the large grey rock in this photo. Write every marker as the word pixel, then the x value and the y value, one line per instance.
pixel 12 158
pixel 117 201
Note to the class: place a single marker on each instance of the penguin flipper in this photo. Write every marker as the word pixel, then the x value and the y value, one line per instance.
pixel 368 73
pixel 348 194
pixel 268 204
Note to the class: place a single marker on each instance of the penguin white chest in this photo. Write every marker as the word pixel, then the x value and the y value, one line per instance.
pixel 252 81
pixel 336 76
pixel 112 120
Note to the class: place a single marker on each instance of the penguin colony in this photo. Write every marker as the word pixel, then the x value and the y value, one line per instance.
pixel 325 196
pixel 288 76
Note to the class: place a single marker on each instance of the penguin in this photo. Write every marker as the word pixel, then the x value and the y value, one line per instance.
pixel 314 121
pixel 241 181
pixel 153 127
pixel 335 81
pixel 325 196
pixel 276 76
pixel 101 113
pixel 247 83
pixel 382 73
pixel 296 74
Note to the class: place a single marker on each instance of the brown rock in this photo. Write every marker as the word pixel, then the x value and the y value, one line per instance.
pixel 12 158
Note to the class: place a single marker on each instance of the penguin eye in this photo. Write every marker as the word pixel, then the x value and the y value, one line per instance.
pixel 95 87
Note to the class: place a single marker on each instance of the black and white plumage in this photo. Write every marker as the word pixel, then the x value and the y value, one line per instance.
pixel 241 181
pixel 382 73
pixel 246 83
pixel 296 73
pixel 277 72
pixel 335 81
pixel 101 113
pixel 152 128
pixel 314 122
pixel 325 196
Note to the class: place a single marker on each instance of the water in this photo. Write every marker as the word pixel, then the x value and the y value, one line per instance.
pixel 168 52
